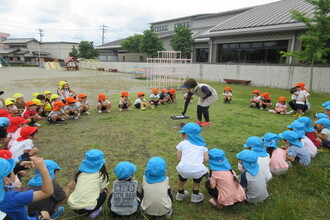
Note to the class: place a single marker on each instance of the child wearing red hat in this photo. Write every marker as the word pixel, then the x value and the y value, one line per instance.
pixel 154 97
pixel 30 113
pixel 83 104
pixel 266 101
pixel 255 101
pixel 141 102
pixel 164 97
pixel 302 103
pixel 57 114
pixel 227 95
pixel 124 102
pixel 23 147
pixel 72 108
pixel 103 104
pixel 280 107
pixel 172 94
pixel 14 129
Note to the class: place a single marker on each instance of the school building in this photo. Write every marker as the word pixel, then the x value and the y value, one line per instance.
pixel 248 35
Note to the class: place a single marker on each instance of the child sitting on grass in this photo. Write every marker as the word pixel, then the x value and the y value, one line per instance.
pixel 172 94
pixel 125 198
pixel 266 101
pixel 223 184
pixel 154 97
pixel 83 104
pixel 72 108
pixel 23 148
pixel 295 150
pixel 57 114
pixel 4 122
pixel 280 107
pixel 11 107
pixel 278 164
pixel 309 130
pixel 14 129
pixel 255 101
pixel 30 113
pixel 164 96
pixel 91 181
pixel 253 182
pixel 191 154
pixel 227 95
pixel 54 98
pixel 324 136
pixel 19 102
pixel 157 197
pixel 124 102
pixel 103 104
pixel 141 103
pixel 48 106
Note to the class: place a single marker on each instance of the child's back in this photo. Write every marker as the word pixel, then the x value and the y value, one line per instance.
pixel 256 187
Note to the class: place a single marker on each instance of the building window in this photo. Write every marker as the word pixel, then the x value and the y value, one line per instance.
pixel 11 58
pixel 17 46
pixel 161 28
pixel 18 58
pixel 3 39
pixel 255 52
pixel 184 24
pixel 141 58
pixel 202 55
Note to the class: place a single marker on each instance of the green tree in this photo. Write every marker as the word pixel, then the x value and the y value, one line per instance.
pixel 87 50
pixel 150 42
pixel 74 52
pixel 314 41
pixel 182 40
pixel 132 43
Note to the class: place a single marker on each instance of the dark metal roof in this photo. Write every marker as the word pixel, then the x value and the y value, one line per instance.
pixel 8 51
pixel 112 44
pixel 276 13
pixel 182 18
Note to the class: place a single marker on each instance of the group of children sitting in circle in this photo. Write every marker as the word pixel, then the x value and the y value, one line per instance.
pixel 42 198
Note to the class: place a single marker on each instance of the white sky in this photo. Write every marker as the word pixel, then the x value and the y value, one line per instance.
pixel 76 20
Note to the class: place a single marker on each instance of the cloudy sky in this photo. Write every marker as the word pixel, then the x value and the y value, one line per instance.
pixel 76 20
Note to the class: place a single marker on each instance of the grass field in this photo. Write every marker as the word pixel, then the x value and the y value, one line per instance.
pixel 136 136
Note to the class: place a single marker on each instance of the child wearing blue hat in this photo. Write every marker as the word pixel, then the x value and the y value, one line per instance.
pixel 307 143
pixel 255 144
pixel 156 191
pixel 191 155
pixel 91 181
pixel 295 149
pixel 278 164
pixel 252 181
pixel 324 136
pixel 327 111
pixel 125 197
pixel 51 204
pixel 223 184
pixel 309 130
pixel 4 122
pixel 14 203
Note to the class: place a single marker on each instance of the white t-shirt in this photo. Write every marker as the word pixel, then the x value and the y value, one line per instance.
pixel 153 96
pixel 256 98
pixel 191 164
pixel 138 100
pixel 80 103
pixel 303 94
pixel 18 148
pixel 326 132
pixel 227 94
pixel 263 163
pixel 70 107
pixel 309 145
pixel 13 137
pixel 105 102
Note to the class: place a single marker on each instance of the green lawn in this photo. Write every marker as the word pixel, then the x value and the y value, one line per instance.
pixel 302 193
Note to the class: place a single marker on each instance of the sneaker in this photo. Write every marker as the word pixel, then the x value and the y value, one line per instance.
pixel 197 198
pixel 56 123
pixel 62 119
pixel 198 122
pixel 95 213
pixel 250 106
pixel 152 107
pixel 75 117
pixel 323 150
pixel 37 124
pixel 204 124
pixel 143 108
pixel 108 111
pixel 180 196
pixel 290 112
pixel 216 204
pixel 87 113
pixel 120 109
pixel 58 213
pixel 261 108
pixel 296 115
pixel 169 214
pixel 129 109
pixel 78 114
pixel 99 111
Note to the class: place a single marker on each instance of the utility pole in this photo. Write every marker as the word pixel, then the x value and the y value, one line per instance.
pixel 103 28
pixel 41 34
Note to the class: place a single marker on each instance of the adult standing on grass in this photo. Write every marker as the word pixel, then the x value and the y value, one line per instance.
pixel 207 96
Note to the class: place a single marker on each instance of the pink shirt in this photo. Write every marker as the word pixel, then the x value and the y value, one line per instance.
pixel 229 191
pixel 277 161
pixel 13 137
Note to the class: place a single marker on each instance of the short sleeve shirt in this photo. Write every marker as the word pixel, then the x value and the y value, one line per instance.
pixel 28 113
pixel 153 96
pixel 326 132
pixel 256 187
pixel 70 107
pixel 302 154
pixel 303 94
pixel 18 148
pixel 227 94
pixel 138 101
pixel 13 137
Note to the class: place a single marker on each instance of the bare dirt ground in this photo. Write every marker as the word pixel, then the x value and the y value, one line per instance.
pixel 28 80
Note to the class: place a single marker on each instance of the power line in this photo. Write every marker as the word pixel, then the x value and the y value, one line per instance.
pixel 103 29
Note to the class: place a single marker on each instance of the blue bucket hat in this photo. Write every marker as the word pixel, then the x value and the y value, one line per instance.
pixel 307 123
pixel 253 142
pixel 270 140
pixel 218 161
pixel 193 131
pixel 321 115
pixel 327 107
pixel 6 167
pixel 94 160
pixel 298 127
pixel 51 167
pixel 327 103
pixel 249 160
pixel 4 121
pixel 124 170
pixel 325 122
pixel 291 137
pixel 155 170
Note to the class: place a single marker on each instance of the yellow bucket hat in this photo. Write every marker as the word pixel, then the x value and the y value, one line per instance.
pixel 54 96
pixel 9 101
pixel 18 95
pixel 37 101
pixel 36 94
pixel 47 92
pixel 62 83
